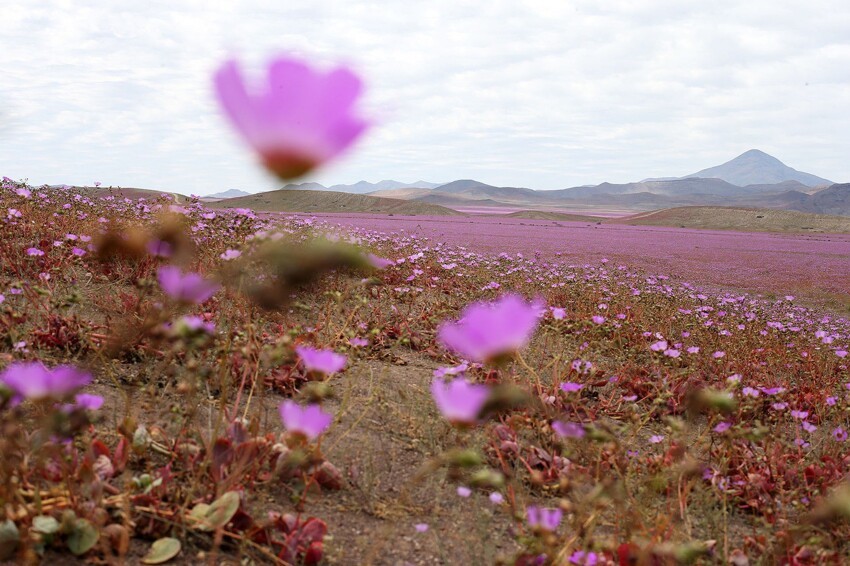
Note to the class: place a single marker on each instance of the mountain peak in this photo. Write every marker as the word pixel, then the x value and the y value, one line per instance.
pixel 755 167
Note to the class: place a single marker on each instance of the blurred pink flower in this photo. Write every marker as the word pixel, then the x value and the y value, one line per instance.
pixel 326 362
pixel 543 518
pixel 463 491
pixel 559 313
pixel 31 380
pixel 459 401
pixel 34 252
pixel 487 331
pixel 300 118
pixel 568 429
pixel 188 287
pixel 310 421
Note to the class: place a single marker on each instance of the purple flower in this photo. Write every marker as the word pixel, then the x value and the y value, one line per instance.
pixel 570 387
pixel 463 491
pixel 159 248
pixel 487 331
pixel 722 427
pixel 310 421
pixel 358 342
pixel 718 354
pixel 568 429
pixel 799 414
pixel 659 346
pixel 189 287
pixel 656 438
pixel 839 434
pixel 583 558
pixel 772 390
pixel 459 402
pixel 79 252
pixel 299 119
pixel 543 518
pixel 325 362
pixel 750 392
pixel 559 313
pixel 496 498
pixel 35 252
pixel 598 319
pixel 86 402
pixel 31 380
pixel 196 324
pixel 421 527
pixel 230 254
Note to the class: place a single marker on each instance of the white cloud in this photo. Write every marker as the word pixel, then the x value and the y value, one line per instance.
pixel 545 94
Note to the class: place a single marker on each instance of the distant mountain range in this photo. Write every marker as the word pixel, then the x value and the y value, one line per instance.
pixel 753 179
pixel 231 193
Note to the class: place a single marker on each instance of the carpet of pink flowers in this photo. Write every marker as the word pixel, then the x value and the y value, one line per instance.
pixel 183 385
pixel 605 415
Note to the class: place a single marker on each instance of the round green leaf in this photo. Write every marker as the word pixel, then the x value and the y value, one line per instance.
pixel 162 551
pixel 45 525
pixel 10 537
pixel 83 537
pixel 221 511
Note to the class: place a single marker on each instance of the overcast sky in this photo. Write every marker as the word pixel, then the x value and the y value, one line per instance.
pixel 540 94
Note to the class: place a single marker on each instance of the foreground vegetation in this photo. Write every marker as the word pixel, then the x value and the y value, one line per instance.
pixel 611 416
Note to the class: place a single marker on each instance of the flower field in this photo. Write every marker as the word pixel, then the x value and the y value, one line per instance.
pixel 182 384
pixel 193 386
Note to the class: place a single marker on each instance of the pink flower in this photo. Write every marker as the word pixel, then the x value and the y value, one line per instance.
pixel 310 421
pixel 188 288
pixel 459 401
pixel 496 498
pixel 656 438
pixel 568 429
pixel 421 527
pixel 658 346
pixel 326 362
pixel 463 491
pixel 299 119
pixel 230 254
pixel 559 313
pixel 839 434
pixel 722 427
pixel 543 518
pixel 598 319
pixel 34 252
pixel 487 331
pixel 31 380
pixel 86 402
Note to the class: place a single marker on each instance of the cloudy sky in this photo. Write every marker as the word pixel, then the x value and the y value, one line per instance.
pixel 540 94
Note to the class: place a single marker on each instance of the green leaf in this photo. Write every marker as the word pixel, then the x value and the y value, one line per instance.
pixel 162 551
pixel 45 525
pixel 221 511
pixel 83 537
pixel 9 539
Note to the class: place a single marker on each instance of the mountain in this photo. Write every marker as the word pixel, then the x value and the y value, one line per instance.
pixel 832 200
pixel 755 167
pixel 230 193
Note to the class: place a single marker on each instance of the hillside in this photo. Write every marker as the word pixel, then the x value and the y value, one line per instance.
pixel 289 200
pixel 743 219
